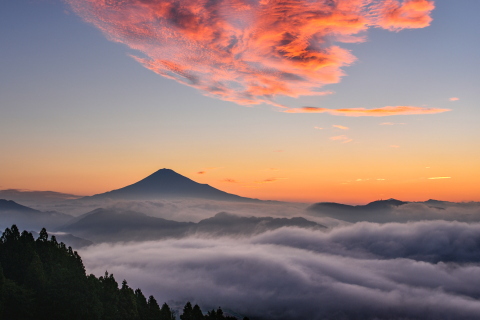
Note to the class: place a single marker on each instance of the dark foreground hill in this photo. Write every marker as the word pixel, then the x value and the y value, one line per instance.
pixel 28 218
pixel 108 225
pixel 42 279
pixel 166 183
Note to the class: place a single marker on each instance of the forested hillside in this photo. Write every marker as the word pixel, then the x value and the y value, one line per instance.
pixel 43 279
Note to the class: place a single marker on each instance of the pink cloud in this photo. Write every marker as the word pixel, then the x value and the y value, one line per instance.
pixel 454 99
pixel 395 15
pixel 340 127
pixel 248 51
pixel 362 112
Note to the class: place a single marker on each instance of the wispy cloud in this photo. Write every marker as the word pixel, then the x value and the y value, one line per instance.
pixel 247 51
pixel 454 99
pixel 362 112
pixel 340 127
pixel 342 137
pixel 438 178
pixel 270 180
pixel 204 170
pixel 408 14
pixel 229 180
pixel 318 128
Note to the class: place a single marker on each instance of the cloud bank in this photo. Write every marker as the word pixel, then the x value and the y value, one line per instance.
pixel 249 51
pixel 422 270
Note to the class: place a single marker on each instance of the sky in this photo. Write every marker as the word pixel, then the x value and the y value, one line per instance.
pixel 305 101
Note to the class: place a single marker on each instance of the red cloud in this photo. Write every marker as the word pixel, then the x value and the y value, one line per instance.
pixel 378 112
pixel 248 51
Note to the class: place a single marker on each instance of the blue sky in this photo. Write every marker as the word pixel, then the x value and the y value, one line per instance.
pixel 80 115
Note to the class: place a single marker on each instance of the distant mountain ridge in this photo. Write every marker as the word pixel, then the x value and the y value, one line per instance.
pixel 167 183
pixel 26 217
pixel 110 225
pixel 385 210
pixel 10 205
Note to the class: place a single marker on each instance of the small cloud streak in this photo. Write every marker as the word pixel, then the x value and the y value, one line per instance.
pixel 342 137
pixel 318 128
pixel 270 180
pixel 454 99
pixel 204 171
pixel 362 112
pixel 229 180
pixel 387 124
pixel 438 178
pixel 248 51
pixel 340 127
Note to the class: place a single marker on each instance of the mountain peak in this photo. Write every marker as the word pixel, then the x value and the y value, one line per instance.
pixel 168 183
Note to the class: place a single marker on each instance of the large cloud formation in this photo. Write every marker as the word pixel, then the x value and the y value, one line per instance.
pixel 421 270
pixel 249 51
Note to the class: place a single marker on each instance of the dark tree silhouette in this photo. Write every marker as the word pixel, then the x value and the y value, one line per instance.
pixel 42 279
pixel 166 313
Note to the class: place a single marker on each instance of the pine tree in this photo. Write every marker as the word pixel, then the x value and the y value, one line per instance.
pixel 153 309
pixel 166 313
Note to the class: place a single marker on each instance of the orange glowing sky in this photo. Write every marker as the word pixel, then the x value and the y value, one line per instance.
pixel 347 101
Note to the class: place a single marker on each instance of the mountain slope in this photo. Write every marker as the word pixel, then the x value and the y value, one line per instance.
pixel 28 218
pixel 167 183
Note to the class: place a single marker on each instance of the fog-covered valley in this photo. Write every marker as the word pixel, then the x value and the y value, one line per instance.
pixel 389 259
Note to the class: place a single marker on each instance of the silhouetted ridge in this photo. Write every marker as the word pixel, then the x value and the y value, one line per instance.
pixel 167 183
pixel 9 205
pixel 377 211
pixel 26 217
pixel 110 225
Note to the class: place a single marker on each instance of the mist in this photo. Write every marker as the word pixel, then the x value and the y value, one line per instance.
pixel 275 260
pixel 420 270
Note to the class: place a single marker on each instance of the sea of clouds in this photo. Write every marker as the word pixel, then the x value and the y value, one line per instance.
pixel 415 270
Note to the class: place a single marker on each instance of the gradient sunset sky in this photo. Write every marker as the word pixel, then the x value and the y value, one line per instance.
pixel 346 101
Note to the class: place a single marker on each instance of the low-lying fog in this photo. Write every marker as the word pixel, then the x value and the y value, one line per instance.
pixel 254 260
pixel 420 270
